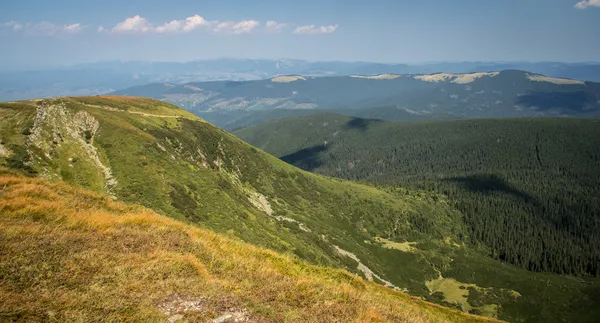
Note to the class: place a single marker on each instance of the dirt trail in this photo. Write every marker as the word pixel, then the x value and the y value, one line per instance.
pixel 104 107
pixel 53 120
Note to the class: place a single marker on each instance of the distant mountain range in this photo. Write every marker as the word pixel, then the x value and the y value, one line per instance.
pixel 397 97
pixel 103 77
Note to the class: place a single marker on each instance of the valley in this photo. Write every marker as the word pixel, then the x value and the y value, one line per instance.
pixel 527 188
pixel 533 179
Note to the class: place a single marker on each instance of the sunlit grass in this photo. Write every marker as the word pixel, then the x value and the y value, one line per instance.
pixel 73 255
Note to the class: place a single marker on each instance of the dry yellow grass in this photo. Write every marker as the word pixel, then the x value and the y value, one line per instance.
pixel 72 255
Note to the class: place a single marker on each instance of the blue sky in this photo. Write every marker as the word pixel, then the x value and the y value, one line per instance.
pixel 45 32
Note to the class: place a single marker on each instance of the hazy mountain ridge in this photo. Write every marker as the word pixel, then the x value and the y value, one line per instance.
pixel 508 93
pixel 103 77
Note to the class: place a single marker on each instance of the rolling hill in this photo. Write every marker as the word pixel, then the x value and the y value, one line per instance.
pixel 151 153
pixel 508 93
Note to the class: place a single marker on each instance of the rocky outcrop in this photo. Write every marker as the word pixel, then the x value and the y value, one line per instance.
pixel 58 127
pixel 4 152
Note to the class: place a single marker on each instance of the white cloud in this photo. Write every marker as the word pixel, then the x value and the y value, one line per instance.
pixel 15 26
pixel 245 26
pixel 73 28
pixel 138 24
pixel 189 24
pixel 173 26
pixel 314 30
pixel 135 24
pixel 274 26
pixel 222 26
pixel 241 27
pixel 194 22
pixel 44 28
pixel 587 3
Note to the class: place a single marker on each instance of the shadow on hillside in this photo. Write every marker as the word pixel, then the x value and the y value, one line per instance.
pixel 574 101
pixel 360 124
pixel 307 159
pixel 487 184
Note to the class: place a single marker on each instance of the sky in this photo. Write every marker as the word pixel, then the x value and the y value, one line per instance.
pixel 49 33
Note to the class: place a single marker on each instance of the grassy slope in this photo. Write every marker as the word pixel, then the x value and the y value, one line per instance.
pixel 73 255
pixel 189 170
pixel 192 171
pixel 433 154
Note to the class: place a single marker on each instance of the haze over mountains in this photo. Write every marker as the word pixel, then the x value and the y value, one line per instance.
pixel 104 77
pixel 402 97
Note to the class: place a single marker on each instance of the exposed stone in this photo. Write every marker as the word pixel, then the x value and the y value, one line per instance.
pixel 237 316
pixel 53 119
pixel 4 152
pixel 260 202
pixel 369 274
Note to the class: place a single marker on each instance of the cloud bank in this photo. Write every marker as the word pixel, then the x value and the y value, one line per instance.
pixel 314 30
pixel 43 28
pixel 584 4
pixel 140 25
pixel 232 27
pixel 274 26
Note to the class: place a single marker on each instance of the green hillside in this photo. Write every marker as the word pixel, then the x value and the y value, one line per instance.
pixel 232 120
pixel 529 188
pixel 71 255
pixel 154 154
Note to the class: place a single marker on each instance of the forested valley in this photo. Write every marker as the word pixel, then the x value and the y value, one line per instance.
pixel 529 189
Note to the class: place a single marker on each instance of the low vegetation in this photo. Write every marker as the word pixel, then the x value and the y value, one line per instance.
pixel 527 188
pixel 151 153
pixel 73 255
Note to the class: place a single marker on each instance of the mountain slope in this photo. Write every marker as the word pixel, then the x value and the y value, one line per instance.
pixel 155 154
pixel 536 180
pixel 234 119
pixel 474 95
pixel 73 255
